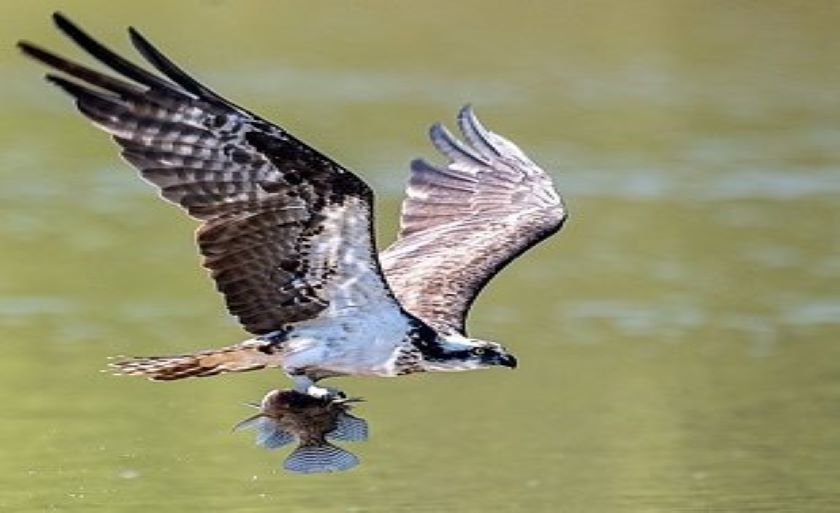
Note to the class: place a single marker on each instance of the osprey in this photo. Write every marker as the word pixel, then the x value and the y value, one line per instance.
pixel 287 233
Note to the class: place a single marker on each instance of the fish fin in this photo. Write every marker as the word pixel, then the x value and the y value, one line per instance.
pixel 326 457
pixel 272 437
pixel 349 428
pixel 268 434
pixel 250 422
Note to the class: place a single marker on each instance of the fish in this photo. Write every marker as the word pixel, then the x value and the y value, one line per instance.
pixel 287 415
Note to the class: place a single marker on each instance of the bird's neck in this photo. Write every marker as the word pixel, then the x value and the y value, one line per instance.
pixel 423 338
pixel 433 351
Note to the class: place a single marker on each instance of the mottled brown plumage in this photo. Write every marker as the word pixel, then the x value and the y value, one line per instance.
pixel 200 364
pixel 261 194
pixel 286 233
pixel 463 222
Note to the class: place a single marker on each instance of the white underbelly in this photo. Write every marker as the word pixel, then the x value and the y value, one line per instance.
pixel 360 344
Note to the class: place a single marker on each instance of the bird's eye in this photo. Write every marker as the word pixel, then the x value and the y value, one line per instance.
pixel 478 351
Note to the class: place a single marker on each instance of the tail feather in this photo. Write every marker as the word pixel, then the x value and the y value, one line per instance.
pixel 238 358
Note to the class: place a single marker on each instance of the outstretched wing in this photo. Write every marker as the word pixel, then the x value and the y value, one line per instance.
pixel 286 232
pixel 462 223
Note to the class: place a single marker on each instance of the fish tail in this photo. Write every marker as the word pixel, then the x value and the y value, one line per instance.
pixel 319 457
pixel 349 428
pixel 237 358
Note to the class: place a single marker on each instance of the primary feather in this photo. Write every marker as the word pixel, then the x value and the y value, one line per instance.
pixel 277 216
pixel 463 222
pixel 286 232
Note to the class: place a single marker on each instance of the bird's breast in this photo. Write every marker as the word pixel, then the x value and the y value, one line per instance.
pixel 360 344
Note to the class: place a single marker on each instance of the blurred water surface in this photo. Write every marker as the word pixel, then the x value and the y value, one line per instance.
pixel 678 341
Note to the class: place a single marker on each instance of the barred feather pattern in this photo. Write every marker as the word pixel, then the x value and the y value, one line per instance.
pixel 274 211
pixel 286 233
pixel 463 222
pixel 236 358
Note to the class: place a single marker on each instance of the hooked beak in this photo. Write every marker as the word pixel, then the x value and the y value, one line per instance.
pixel 507 360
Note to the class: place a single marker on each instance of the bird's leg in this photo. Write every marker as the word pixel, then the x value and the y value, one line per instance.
pixel 306 385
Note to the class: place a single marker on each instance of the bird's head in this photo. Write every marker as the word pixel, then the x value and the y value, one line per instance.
pixel 456 352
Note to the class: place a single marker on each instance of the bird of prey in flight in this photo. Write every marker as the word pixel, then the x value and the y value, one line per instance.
pixel 286 232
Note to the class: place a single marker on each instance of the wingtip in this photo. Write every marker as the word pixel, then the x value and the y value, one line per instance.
pixel 478 136
pixel 72 30
pixel 36 52
pixel 67 86
pixel 135 35
pixel 137 39
pixel 142 45
pixel 26 47
pixel 418 163
pixel 165 65
pixel 467 116
pixel 452 147
pixel 63 22
pixel 439 131
pixel 55 80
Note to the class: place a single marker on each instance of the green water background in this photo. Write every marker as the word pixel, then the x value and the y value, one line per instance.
pixel 678 341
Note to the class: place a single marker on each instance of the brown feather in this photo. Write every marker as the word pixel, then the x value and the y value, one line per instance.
pixel 237 358
pixel 462 223
pixel 262 195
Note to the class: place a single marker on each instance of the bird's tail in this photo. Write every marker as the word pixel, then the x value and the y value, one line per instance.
pixel 237 358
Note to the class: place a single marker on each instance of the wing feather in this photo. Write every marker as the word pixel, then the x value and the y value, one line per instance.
pixel 170 69
pixel 286 232
pixel 451 147
pixel 463 222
